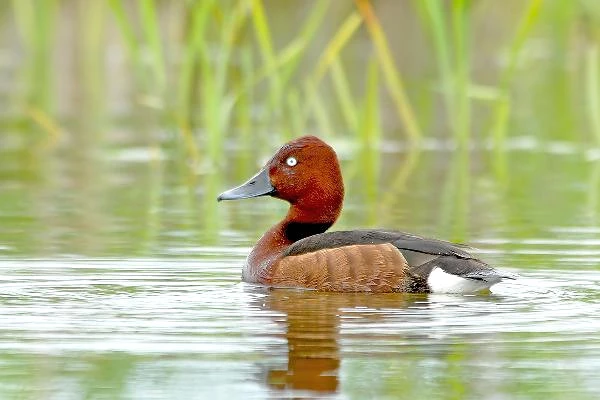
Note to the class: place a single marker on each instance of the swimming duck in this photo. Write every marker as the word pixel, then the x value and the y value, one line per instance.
pixel 298 252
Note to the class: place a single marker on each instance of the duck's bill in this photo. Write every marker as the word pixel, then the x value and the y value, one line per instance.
pixel 258 185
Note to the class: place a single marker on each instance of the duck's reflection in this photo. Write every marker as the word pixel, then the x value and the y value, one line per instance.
pixel 313 323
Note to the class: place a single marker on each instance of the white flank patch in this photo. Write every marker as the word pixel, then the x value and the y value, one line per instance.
pixel 440 281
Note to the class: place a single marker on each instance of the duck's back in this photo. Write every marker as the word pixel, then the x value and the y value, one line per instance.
pixel 381 261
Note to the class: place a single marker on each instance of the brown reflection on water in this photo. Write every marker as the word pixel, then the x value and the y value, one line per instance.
pixel 313 324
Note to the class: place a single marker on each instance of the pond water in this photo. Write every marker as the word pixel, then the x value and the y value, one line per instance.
pixel 127 285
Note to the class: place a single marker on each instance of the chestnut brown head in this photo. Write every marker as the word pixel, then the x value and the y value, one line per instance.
pixel 305 172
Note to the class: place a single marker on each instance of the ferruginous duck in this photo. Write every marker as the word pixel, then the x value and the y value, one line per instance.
pixel 299 253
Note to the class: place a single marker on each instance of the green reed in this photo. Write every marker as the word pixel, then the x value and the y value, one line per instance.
pixel 218 85
pixel 216 71
pixel 503 106
pixel 592 71
pixel 593 90
pixel 450 33
pixel 267 51
pixel 293 103
pixel 36 26
pixel 328 56
pixel 370 133
pixel 392 75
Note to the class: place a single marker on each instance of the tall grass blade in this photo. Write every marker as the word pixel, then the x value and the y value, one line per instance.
pixel 433 19
pixel 265 45
pixel 35 24
pixel 194 43
pixel 152 31
pixel 460 25
pixel 93 22
pixel 25 17
pixel 305 36
pixel 290 54
pixel 244 113
pixel 454 70
pixel 126 28
pixel 390 72
pixel 336 44
pixel 330 53
pixel 344 95
pixel 503 107
pixel 297 124
pixel 319 108
pixel 370 138
pixel 593 90
pixel 286 61
pixel 218 104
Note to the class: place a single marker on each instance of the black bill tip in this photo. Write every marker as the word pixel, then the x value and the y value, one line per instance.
pixel 258 185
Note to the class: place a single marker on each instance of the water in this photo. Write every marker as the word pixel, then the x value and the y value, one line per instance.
pixel 119 290
pixel 154 328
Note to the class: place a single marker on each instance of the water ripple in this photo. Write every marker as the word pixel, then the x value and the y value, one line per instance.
pixel 196 314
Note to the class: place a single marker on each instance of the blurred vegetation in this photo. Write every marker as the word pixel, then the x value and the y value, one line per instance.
pixel 200 92
pixel 242 70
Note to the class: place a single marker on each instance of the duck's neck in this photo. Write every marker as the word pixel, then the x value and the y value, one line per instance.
pixel 297 225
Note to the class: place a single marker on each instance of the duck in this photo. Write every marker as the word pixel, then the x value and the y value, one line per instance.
pixel 300 252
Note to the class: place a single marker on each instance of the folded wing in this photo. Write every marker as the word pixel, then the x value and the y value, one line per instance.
pixel 358 251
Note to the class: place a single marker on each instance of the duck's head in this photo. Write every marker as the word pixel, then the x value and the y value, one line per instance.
pixel 305 172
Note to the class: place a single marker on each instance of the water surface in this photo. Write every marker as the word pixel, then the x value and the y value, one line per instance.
pixel 155 328
pixel 135 292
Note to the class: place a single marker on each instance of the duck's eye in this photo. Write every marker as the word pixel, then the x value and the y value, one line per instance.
pixel 291 161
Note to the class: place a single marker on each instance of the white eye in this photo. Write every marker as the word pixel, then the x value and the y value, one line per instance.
pixel 291 161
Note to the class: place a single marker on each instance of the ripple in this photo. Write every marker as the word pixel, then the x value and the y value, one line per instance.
pixel 197 316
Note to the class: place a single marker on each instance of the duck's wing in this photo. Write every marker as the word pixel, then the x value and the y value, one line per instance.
pixel 443 266
pixel 401 240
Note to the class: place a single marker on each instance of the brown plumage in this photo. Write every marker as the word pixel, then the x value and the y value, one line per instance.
pixel 298 252
pixel 355 268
